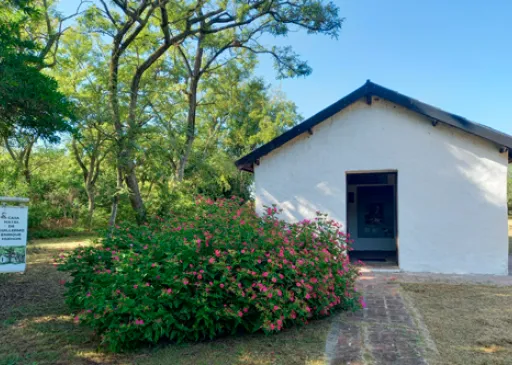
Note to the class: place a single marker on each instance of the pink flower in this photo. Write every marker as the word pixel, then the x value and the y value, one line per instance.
pixel 135 286
pixel 298 284
pixel 269 295
pixel 362 302
pixel 265 274
pixel 276 308
pixel 279 293
pixel 76 319
pixel 88 294
pixel 199 276
pixel 272 327
pixel 185 281
pixel 221 285
pixel 211 260
pixel 169 291
pixel 274 280
pixel 153 264
pixel 246 310
pixel 148 284
pixel 217 253
pixel 308 296
pixel 240 314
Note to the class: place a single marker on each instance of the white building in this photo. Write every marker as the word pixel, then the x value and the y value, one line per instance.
pixel 413 184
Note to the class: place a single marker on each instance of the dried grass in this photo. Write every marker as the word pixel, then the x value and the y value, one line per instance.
pixel 470 324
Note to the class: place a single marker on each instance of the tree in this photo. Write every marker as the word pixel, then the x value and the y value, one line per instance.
pixel 29 99
pixel 171 130
pixel 31 107
pixel 83 78
pixel 127 22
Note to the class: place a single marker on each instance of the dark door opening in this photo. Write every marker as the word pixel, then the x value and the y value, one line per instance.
pixel 372 217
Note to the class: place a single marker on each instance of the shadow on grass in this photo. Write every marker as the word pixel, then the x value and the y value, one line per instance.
pixel 36 328
pixel 52 338
pixel 297 345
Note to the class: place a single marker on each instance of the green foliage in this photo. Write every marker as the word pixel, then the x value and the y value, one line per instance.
pixel 29 99
pixel 75 184
pixel 54 192
pixel 213 269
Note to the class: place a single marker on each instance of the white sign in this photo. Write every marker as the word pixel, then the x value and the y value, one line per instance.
pixel 13 238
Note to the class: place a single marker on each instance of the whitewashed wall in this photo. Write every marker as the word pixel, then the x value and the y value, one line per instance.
pixel 452 214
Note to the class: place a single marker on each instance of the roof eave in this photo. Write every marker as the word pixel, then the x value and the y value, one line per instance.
pixel 369 90
pixel 304 127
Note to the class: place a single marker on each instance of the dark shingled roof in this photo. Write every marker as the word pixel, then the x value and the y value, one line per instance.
pixel 369 89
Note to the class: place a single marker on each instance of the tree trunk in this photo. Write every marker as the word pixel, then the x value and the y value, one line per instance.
pixel 191 128
pixel 26 162
pixel 91 204
pixel 115 199
pixel 135 197
pixel 195 74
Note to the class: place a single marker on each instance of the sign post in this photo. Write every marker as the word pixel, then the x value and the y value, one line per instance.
pixel 13 234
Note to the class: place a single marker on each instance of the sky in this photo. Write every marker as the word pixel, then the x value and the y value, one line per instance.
pixel 453 54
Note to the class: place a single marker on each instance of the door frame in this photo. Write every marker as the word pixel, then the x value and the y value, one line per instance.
pixel 395 196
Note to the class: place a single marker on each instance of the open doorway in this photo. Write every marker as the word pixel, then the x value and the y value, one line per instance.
pixel 372 217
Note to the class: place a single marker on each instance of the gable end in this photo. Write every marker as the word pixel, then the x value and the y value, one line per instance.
pixel 367 91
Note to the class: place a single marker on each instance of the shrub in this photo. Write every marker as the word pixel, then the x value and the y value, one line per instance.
pixel 215 270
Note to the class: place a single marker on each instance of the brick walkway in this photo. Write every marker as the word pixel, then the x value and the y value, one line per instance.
pixel 383 333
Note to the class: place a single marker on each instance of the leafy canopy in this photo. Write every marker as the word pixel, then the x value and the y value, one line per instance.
pixel 29 99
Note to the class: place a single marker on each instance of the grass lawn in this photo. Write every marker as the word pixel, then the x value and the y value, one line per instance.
pixel 470 324
pixel 36 327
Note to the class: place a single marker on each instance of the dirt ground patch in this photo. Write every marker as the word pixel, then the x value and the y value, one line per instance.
pixel 470 324
pixel 36 328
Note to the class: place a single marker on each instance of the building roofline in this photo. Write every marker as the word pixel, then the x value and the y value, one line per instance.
pixel 368 90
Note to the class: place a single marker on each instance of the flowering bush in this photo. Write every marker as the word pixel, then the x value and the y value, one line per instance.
pixel 213 271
